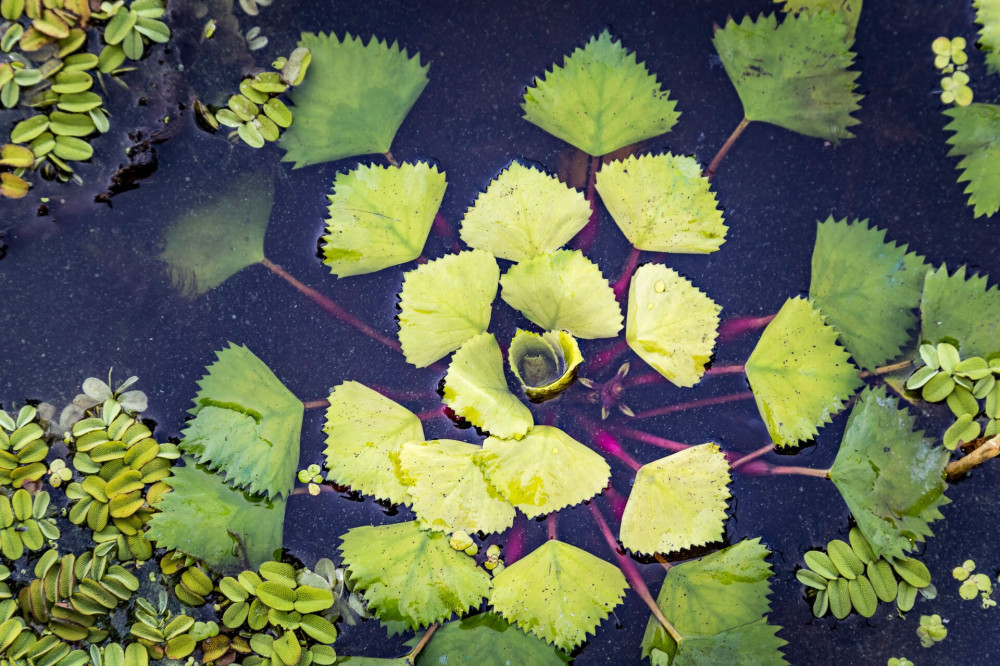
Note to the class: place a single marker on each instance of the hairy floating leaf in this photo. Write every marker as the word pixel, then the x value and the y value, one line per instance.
pixel 662 203
pixel 718 604
pixel 563 290
pixel 976 140
pixel 380 216
pixel 867 288
pixel 448 490
pixel 524 213
pixel 362 429
pixel 412 576
pixel 444 303
pixel 988 17
pixel 198 516
pixel 558 592
pixel 671 324
pixel 677 502
pixel 961 308
pixel 487 640
pixel 850 10
pixel 794 75
pixel 799 375
pixel 476 389
pixel 246 424
pixel 890 475
pixel 546 471
pixel 353 101
pixel 221 233
pixel 545 364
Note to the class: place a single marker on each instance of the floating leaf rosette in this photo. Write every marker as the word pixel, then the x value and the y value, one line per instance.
pixel 380 216
pixel 558 592
pixel 988 17
pixel 545 364
pixel 794 75
pixel 866 287
pixel 677 502
pixel 476 389
pixel 890 475
pixel 447 488
pixel 354 99
pixel 444 303
pixel 799 375
pixel 546 471
pixel 662 203
pixel 563 290
pixel 246 424
pixel 961 308
pixel 412 576
pixel 718 604
pixel 976 139
pixel 363 428
pixel 524 213
pixel 487 639
pixel 671 324
pixel 600 99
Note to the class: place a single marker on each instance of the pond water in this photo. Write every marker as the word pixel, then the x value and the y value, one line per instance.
pixel 82 288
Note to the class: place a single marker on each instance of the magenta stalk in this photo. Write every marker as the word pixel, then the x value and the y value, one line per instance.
pixel 626 276
pixel 694 404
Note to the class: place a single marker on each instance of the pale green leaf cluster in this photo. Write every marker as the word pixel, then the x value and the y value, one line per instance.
pixel 558 592
pixel 563 290
pixel 962 309
pixel 798 373
pixel 866 287
pixel 600 100
pixel 677 502
pixel 363 428
pixel 380 216
pixel 976 139
pixel 246 424
pixel 353 101
pixel 890 475
pixel 849 10
pixel 444 303
pixel 794 75
pixel 988 18
pixel 662 203
pixel 718 604
pixel 524 213
pixel 671 324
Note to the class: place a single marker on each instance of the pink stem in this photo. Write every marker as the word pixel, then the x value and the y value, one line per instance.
pixel 626 276
pixel 726 370
pixel 803 471
pixel 432 414
pixel 616 501
pixel 552 527
pixel 588 234
pixel 610 445
pixel 607 356
pixel 694 404
pixel 515 541
pixel 647 438
pixel 740 325
pixel 710 171
pixel 764 450
pixel 444 230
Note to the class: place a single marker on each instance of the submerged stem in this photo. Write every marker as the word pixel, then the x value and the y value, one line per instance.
pixel 803 471
pixel 585 238
pixel 986 450
pixel 703 402
pixel 649 438
pixel 412 657
pixel 607 356
pixel 626 275
pixel 767 448
pixel 886 369
pixel 551 525
pixel 710 171
pixel 315 404
pixel 391 158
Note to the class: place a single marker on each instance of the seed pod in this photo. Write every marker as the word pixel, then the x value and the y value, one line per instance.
pixel 863 596
pixel 906 597
pixel 882 579
pixel 821 563
pixel 811 579
pixel 912 571
pixel 840 598
pixel 848 564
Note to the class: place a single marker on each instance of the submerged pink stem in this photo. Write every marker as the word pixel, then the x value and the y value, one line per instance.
pixel 626 275
pixel 588 234
pixel 552 527
pixel 743 460
pixel 444 230
pixel 610 445
pixel 740 325
pixel 694 404
pixel 648 438
pixel 607 356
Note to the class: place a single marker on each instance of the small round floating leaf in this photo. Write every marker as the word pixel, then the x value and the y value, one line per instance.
pixel 812 579
pixel 153 30
pixel 318 628
pixel 293 70
pixel 29 129
pixel 17 157
pixel 71 82
pixel 883 580
pixel 312 599
pixel 11 37
pixel 268 130
pixel 269 83
pixel 962 401
pixel 250 135
pixel 948 357
pixel 72 42
pixel 906 596
pixel 963 430
pixel 821 563
pixel 27 76
pixel 912 571
pixel 276 110
pixel 862 596
pixel 848 564
pixel 79 102
pixel 236 615
pixel 13 187
pixel 81 62
pixel 70 124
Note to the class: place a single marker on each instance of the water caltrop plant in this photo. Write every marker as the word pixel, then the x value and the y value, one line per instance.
pixel 881 334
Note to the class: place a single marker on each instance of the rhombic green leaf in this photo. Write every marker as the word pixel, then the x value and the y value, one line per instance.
pixel 961 309
pixel 866 287
pixel 476 389
pixel 448 490
pixel 487 640
pixel 800 377
pixel 564 290
pixel 444 303
pixel 600 99
pixel 794 75
pixel 890 475
pixel 558 592
pixel 662 203
pixel 671 324
pixel 412 576
pixel 353 100
pixel 988 17
pixel 197 517
pixel 850 10
pixel 718 604
pixel 380 216
pixel 677 502
pixel 362 429
pixel 523 213
pixel 976 140
pixel 246 424
pixel 546 471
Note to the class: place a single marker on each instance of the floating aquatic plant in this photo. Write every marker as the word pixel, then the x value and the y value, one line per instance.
pixel 976 139
pixel 988 17
pixel 545 364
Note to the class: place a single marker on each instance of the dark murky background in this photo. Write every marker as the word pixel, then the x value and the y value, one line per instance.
pixel 82 290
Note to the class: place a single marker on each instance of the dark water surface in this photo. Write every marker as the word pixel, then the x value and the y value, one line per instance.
pixel 82 290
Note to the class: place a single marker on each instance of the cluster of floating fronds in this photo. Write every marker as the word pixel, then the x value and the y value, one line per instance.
pixel 45 67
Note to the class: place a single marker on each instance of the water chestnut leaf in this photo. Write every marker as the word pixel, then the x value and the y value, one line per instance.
pixel 976 139
pixel 558 592
pixel 960 308
pixel 988 17
pixel 850 10
pixel 486 639
pixel 524 213
pixel 662 203
pixel 380 216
